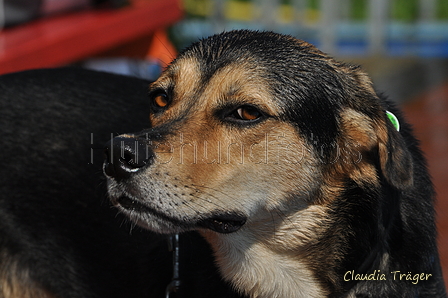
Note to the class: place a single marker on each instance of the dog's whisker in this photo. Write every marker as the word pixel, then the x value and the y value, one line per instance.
pixel 203 207
pixel 208 193
pixel 189 205
pixel 218 191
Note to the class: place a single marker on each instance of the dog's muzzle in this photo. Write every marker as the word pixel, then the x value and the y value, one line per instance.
pixel 125 156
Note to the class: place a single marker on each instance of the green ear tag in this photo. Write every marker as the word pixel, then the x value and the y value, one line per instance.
pixel 394 120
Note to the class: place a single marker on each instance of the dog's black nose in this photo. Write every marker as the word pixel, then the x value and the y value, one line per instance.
pixel 125 156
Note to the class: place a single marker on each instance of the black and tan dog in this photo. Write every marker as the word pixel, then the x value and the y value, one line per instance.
pixel 284 160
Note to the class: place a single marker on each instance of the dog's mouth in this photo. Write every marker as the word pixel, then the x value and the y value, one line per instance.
pixel 224 223
pixel 133 205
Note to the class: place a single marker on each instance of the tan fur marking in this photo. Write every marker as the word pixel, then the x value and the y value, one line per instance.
pixel 241 82
pixel 359 136
pixel 361 78
pixel 364 80
pixel 15 282
pixel 186 75
pixel 358 128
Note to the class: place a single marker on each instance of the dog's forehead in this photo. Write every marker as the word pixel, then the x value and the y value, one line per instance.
pixel 241 81
pixel 184 74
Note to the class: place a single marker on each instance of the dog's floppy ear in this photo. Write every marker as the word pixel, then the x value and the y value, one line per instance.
pixel 394 156
pixel 395 159
pixel 362 134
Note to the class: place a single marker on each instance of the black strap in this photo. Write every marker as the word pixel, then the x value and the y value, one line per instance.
pixel 172 290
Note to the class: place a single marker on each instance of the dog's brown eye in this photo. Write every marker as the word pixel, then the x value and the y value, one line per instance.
pixel 247 113
pixel 161 100
pixel 241 114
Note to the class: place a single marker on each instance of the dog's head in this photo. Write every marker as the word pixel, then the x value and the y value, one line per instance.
pixel 250 128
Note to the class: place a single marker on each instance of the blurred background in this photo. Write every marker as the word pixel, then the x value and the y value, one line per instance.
pixel 402 44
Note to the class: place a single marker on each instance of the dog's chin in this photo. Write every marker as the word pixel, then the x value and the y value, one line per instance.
pixel 156 221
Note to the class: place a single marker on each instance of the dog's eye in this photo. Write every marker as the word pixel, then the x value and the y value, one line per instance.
pixel 247 113
pixel 161 100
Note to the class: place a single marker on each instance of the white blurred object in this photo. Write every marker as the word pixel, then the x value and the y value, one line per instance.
pixel 148 70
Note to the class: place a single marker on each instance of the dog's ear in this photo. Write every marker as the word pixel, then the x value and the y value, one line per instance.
pixel 381 140
pixel 395 159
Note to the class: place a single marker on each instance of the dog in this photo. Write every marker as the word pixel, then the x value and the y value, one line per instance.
pixel 266 169
pixel 304 181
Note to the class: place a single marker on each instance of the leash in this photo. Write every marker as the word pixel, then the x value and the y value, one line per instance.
pixel 173 287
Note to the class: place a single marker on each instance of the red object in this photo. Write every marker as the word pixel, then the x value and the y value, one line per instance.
pixel 67 38
pixel 161 48
pixel 428 115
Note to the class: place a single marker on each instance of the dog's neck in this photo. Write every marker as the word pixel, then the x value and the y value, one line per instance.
pixel 259 272
pixel 265 268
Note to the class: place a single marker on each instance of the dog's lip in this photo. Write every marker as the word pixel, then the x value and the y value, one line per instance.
pixel 223 223
pixel 132 204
